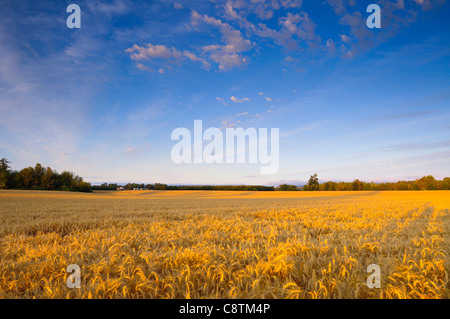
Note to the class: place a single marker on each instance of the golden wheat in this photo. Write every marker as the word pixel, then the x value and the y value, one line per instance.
pixel 191 244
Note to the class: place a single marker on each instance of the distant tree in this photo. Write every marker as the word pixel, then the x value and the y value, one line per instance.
pixel 3 179
pixel 48 180
pixel 38 173
pixel 287 187
pixel 357 185
pixel 366 186
pixel 105 187
pixel 112 186
pixel 427 182
pixel 4 173
pixel 83 187
pixel 130 186
pixel 4 165
pixel 329 186
pixel 26 176
pixel 446 183
pixel 313 183
pixel 14 180
pixel 160 186
pixel 65 180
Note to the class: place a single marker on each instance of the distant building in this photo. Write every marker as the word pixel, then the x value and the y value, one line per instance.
pixel 121 188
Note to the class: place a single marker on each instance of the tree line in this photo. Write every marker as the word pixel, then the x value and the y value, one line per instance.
pixel 45 178
pixel 40 178
pixel 161 186
pixel 424 183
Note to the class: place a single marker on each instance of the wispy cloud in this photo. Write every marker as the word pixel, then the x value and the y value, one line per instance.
pixel 116 7
pixel 137 151
pixel 311 127
pixel 399 116
pixel 434 98
pixel 404 147
pixel 162 52
pixel 239 100
pixel 238 119
pixel 227 55
pixel 221 100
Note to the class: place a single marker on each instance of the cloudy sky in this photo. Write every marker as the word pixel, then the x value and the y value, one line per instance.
pixel 350 102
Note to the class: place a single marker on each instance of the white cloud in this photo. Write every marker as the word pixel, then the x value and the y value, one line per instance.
pixel 428 4
pixel 344 38
pixel 137 151
pixel 338 6
pixel 162 52
pixel 221 100
pixel 143 67
pixel 262 9
pixel 294 29
pixel 108 9
pixel 331 46
pixel 290 59
pixel 239 100
pixel 153 51
pixel 237 119
pixel 195 58
pixel 227 55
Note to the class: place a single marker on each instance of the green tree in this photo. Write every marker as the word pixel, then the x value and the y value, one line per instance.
pixel 4 173
pixel 65 180
pixel 38 173
pixel 3 180
pixel 330 186
pixel 287 187
pixel 48 180
pixel 4 165
pixel 446 183
pixel 160 186
pixel 427 182
pixel 357 185
pixel 313 183
pixel 26 177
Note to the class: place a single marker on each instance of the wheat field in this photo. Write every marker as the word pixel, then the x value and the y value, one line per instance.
pixel 213 244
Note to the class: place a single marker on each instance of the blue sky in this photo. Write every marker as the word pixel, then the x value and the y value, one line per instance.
pixel 350 102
